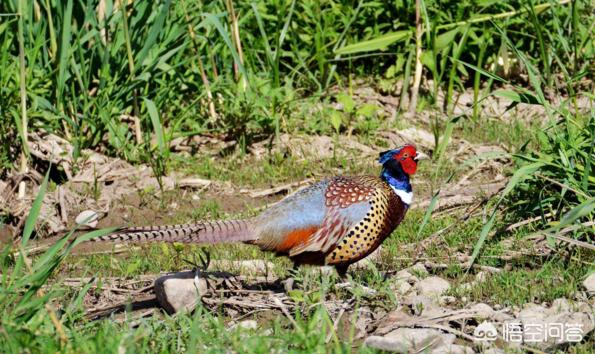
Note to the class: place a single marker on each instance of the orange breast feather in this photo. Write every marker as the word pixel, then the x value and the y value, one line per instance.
pixel 296 237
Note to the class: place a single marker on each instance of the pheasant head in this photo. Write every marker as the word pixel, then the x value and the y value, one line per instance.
pixel 397 165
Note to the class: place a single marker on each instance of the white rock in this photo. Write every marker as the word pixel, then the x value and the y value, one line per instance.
pixel 432 286
pixel 248 324
pixel 403 274
pixel 419 269
pixel 537 316
pixel 179 291
pixel 589 284
pixel 87 218
pixel 560 305
pixel 421 304
pixel 482 310
pixel 493 351
pixel 401 287
pixel 447 300
pixel 481 277
pixel 252 266
pixel 453 349
pixel 410 340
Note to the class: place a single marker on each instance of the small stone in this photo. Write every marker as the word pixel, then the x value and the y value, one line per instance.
pixel 251 266
pixel 493 351
pixel 482 310
pixel 327 271
pixel 560 305
pixel 481 277
pixel 447 300
pixel 403 275
pixel 422 304
pixel 87 218
pixel 453 349
pixel 410 340
pixel 248 324
pixel 466 286
pixel 179 291
pixel 589 284
pixel 401 287
pixel 432 286
pixel 419 269
pixel 195 197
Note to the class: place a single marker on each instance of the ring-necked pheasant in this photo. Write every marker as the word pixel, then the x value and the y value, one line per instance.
pixel 337 221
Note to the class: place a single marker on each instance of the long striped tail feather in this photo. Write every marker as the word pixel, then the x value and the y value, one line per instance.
pixel 225 231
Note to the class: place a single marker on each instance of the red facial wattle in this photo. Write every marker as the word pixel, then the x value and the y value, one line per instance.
pixel 409 166
pixel 406 159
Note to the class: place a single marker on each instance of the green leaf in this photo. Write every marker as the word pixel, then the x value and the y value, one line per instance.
pixel 157 126
pixel 367 110
pixel 64 49
pixel 445 39
pixel 336 120
pixel 427 59
pixel 34 212
pixel 346 101
pixel 518 97
pixel 374 44
pixel 154 32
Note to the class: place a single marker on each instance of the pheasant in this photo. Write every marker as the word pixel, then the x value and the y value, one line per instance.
pixel 337 221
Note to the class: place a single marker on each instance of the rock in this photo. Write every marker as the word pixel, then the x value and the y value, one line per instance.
pixel 493 351
pixel 484 311
pixel 410 340
pixel 179 291
pixel 453 349
pixel 560 305
pixel 248 324
pixel 419 269
pixel 401 287
pixel 481 277
pixel 327 271
pixel 589 284
pixel 538 321
pixel 447 300
pixel 423 305
pixel 366 291
pixel 432 286
pixel 87 218
pixel 253 266
pixel 407 276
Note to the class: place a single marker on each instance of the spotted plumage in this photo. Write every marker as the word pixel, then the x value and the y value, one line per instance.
pixel 337 221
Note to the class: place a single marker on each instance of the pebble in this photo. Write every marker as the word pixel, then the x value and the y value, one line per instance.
pixel 432 286
pixel 87 218
pixel 589 284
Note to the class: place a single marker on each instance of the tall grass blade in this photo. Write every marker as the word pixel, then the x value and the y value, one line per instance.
pixel 521 174
pixel 374 44
pixel 34 212
pixel 65 41
pixel 157 126
pixel 154 32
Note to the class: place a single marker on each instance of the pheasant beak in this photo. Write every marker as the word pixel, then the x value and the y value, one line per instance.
pixel 420 156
